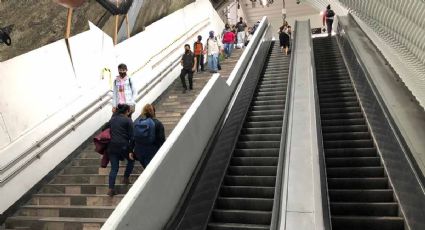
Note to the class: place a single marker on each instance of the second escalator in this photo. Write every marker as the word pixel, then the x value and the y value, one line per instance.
pixel 246 195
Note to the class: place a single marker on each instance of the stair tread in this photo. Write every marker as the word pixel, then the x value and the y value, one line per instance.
pixel 59 219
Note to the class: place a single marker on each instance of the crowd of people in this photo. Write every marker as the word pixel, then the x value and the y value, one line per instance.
pixel 232 36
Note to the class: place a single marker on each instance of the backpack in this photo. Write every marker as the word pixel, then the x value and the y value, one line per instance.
pixel 330 13
pixel 144 131
pixel 228 37
pixel 197 48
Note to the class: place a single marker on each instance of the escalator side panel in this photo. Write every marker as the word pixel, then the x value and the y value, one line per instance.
pixel 206 189
pixel 407 183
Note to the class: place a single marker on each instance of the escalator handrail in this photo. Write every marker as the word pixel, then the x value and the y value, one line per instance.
pixel 277 201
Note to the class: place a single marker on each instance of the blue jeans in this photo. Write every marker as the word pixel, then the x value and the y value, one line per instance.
pixel 228 49
pixel 114 157
pixel 212 62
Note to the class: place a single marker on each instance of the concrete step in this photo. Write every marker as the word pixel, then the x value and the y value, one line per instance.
pixel 75 199
pixel 88 179
pixel 89 189
pixel 66 211
pixel 54 223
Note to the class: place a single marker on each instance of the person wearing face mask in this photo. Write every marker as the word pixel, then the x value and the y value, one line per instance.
pixel 188 62
pixel 124 91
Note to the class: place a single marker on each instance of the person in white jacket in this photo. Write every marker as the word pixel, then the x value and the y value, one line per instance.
pixel 123 90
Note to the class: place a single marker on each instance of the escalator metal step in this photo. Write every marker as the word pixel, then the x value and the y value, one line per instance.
pixel 367 222
pixel 372 195
pixel 255 204
pixel 241 216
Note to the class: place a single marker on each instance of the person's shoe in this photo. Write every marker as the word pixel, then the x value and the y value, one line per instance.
pixel 126 180
pixel 191 88
pixel 184 91
pixel 111 192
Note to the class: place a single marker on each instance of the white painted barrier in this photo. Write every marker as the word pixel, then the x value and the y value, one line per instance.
pixel 43 90
pixel 154 196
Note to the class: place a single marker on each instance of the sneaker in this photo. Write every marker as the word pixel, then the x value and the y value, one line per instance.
pixel 184 91
pixel 126 180
pixel 111 192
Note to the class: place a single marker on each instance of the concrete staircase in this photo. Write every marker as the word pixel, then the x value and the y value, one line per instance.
pixel 76 198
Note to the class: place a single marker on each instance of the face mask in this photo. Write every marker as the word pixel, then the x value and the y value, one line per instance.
pixel 123 74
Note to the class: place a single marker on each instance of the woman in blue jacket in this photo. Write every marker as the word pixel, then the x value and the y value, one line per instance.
pixel 149 136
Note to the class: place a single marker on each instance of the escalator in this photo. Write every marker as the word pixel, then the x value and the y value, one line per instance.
pixel 360 193
pixel 246 195
pixel 235 187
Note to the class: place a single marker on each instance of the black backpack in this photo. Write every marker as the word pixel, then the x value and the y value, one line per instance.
pixel 330 13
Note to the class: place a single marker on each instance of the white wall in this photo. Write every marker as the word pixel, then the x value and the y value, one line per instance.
pixel 42 89
pixel 159 188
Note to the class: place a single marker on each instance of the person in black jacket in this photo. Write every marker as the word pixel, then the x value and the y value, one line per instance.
pixel 144 152
pixel 119 147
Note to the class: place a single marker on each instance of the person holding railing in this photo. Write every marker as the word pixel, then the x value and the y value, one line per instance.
pixel 123 90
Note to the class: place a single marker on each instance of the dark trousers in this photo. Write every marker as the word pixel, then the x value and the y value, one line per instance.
pixel 200 62
pixel 115 153
pixel 329 23
pixel 189 73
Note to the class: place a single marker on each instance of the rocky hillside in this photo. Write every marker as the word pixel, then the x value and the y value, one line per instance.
pixel 39 22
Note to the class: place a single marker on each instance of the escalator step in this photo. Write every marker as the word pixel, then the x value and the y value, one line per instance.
pixel 257 204
pixel 265 113
pixel 256 152
pixel 260 124
pixel 242 216
pixel 384 195
pixel 340 110
pixel 252 170
pixel 364 209
pixel 347 136
pixel 232 226
pixel 339 99
pixel 351 152
pixel 357 183
pixel 343 122
pixel 263 137
pixel 267 107
pixel 269 102
pixel 338 104
pixel 247 191
pixel 266 118
pixel 263 181
pixel 368 143
pixel 254 161
pixel 365 222
pixel 258 144
pixel 268 130
pixel 355 172
pixel 353 162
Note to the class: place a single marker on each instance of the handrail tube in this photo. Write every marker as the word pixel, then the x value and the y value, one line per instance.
pixel 74 117
pixel 275 222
